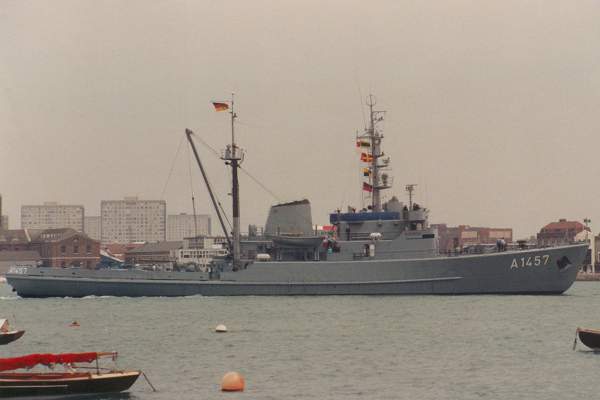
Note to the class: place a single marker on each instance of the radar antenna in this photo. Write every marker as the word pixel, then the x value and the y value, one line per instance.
pixel 410 188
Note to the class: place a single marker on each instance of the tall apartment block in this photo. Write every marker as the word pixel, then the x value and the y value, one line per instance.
pixel 183 226
pixel 3 218
pixel 52 215
pixel 92 227
pixel 133 220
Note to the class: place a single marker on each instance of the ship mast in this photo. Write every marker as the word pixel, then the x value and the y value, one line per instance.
pixel 189 134
pixel 378 180
pixel 233 156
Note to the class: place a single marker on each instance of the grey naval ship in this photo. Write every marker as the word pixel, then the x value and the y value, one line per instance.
pixel 387 248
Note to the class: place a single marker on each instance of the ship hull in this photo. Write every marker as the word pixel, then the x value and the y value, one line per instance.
pixel 48 386
pixel 8 337
pixel 539 271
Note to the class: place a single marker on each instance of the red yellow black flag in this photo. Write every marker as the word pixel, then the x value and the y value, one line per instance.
pixel 365 157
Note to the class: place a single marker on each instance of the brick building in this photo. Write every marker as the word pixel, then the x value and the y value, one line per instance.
pixel 65 247
pixel 17 239
pixel 461 236
pixel 561 232
pixel 159 253
pixel 118 250
pixel 57 247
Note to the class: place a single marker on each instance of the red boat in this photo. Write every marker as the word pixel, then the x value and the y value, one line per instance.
pixel 6 335
pixel 73 381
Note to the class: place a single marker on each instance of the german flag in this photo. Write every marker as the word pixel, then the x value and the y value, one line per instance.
pixel 367 187
pixel 363 143
pixel 366 157
pixel 366 171
pixel 221 106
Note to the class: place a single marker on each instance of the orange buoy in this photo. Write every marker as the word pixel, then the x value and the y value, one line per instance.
pixel 74 324
pixel 232 382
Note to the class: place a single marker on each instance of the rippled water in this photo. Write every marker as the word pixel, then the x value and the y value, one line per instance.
pixel 429 347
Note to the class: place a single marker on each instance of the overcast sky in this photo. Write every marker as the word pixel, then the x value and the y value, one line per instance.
pixel 492 106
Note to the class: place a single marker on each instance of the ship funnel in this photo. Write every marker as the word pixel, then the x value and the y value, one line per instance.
pixel 293 218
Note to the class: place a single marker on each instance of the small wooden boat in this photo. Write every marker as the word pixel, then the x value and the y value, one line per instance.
pixel 589 337
pixel 72 381
pixel 6 335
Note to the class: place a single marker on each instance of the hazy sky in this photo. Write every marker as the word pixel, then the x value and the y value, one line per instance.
pixel 493 106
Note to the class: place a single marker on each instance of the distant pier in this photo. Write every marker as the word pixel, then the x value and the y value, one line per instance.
pixel 588 276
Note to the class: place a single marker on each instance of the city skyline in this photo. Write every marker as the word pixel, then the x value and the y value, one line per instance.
pixel 54 215
pixel 202 220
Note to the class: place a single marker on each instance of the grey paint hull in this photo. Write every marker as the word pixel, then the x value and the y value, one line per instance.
pixel 539 271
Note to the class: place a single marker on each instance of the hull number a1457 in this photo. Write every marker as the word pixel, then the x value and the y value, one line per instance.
pixel 531 261
pixel 18 269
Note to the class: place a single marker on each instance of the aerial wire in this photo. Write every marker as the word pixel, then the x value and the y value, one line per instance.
pixel 162 196
pixel 259 183
pixel 362 108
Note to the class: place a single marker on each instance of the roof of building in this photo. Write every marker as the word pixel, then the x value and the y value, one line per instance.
pixel 157 247
pixel 34 234
pixel 56 235
pixel 120 248
pixel 14 236
pixel 25 255
pixel 564 225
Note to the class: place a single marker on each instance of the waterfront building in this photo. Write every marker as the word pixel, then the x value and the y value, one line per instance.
pixel 118 250
pixel 162 254
pixel 52 215
pixel 61 247
pixel 65 247
pixel 183 225
pixel 133 220
pixel 17 239
pixel 561 232
pixel 197 252
pixel 451 238
pixel 92 227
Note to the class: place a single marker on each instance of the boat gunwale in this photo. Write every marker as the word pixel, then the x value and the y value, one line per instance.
pixel 66 377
